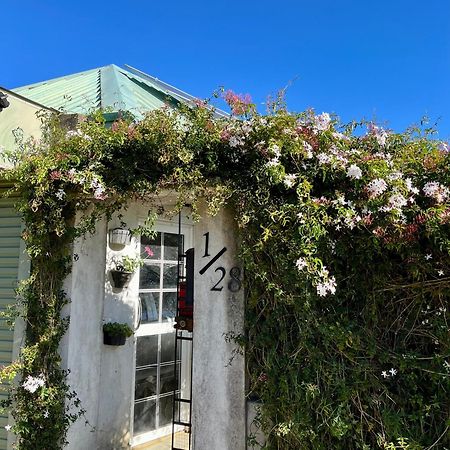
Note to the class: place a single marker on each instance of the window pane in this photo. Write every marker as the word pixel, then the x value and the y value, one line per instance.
pixel 167 347
pixel 171 246
pixel 165 410
pixel 149 307
pixel 145 383
pixel 167 379
pixel 144 416
pixel 170 276
pixel 153 250
pixel 169 305
pixel 146 350
pixel 149 276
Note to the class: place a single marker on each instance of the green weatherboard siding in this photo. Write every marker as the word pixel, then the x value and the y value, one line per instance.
pixel 10 229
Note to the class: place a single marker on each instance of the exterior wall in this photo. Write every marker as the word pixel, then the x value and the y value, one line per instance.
pixel 103 376
pixel 219 410
pixel 20 115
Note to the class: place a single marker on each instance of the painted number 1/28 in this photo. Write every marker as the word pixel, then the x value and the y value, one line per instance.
pixel 235 283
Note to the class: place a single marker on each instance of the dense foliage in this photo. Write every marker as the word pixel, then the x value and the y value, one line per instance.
pixel 345 246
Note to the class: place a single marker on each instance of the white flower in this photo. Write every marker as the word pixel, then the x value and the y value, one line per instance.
pixel 384 374
pixel 308 148
pixel 272 162
pixel 60 194
pixel 8 427
pixel 32 384
pixel 246 128
pixel 321 290
pixel 323 158
pixel 393 371
pixel 376 187
pixel 354 172
pixel 331 285
pixel 99 193
pixel 73 133
pixel 410 186
pixel 379 133
pixel 276 150
pixel 77 133
pixel 234 142
pixel 338 135
pixel 327 286
pixel 441 273
pixel 46 414
pixel 289 180
pixel 436 190
pixel 301 263
pixel 395 176
pixel 428 257
pixel 322 121
pixel 397 201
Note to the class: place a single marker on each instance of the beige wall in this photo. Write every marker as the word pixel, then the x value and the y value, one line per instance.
pixel 20 115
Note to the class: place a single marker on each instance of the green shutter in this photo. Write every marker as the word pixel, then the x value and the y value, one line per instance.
pixel 10 229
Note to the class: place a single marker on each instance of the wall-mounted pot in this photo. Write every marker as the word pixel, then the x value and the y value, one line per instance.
pixel 119 236
pixel 120 279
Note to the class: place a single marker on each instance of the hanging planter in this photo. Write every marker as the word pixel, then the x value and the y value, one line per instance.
pixel 123 271
pixel 120 279
pixel 116 333
pixel 119 236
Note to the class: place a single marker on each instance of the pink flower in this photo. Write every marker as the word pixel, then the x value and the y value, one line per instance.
pixel 239 103
pixel 148 250
pixel 263 377
pixel 379 133
pixel 55 175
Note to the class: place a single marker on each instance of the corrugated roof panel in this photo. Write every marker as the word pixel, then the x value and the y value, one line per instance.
pixel 110 88
pixel 75 93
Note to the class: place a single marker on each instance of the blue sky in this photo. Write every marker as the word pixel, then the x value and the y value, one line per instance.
pixel 381 60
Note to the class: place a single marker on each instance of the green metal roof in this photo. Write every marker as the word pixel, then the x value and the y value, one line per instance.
pixel 110 88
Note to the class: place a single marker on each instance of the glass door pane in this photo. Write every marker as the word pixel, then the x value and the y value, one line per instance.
pixel 155 343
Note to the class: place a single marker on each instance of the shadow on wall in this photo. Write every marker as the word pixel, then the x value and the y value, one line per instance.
pixel 117 368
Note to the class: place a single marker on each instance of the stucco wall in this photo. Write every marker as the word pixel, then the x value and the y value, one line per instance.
pixel 219 413
pixel 103 375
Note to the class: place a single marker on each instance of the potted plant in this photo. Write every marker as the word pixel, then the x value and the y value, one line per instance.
pixel 123 270
pixel 115 333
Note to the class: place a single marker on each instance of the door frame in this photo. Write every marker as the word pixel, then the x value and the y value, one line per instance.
pixel 165 226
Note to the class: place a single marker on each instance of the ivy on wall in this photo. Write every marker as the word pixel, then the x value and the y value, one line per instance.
pixel 345 247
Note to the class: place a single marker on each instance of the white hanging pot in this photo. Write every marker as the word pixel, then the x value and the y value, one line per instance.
pixel 119 236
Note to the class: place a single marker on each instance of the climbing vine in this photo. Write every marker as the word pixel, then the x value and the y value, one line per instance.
pixel 345 247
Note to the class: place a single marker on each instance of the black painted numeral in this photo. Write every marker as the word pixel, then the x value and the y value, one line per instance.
pixel 216 286
pixel 206 245
pixel 234 285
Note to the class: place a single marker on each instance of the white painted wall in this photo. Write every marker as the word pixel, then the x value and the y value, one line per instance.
pixel 103 375
pixel 219 410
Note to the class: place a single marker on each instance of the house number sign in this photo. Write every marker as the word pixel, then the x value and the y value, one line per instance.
pixel 234 283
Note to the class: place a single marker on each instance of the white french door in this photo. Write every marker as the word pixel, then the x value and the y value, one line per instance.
pixel 155 362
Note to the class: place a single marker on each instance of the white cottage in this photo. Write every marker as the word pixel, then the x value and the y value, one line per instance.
pixel 143 394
